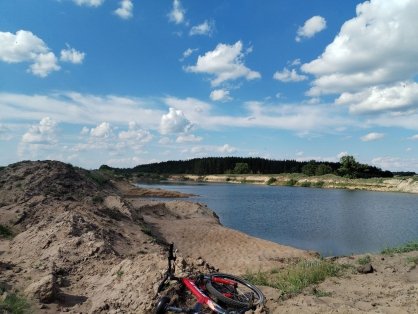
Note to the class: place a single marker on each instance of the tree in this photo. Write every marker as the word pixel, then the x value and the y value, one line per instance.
pixel 310 168
pixel 241 168
pixel 323 169
pixel 349 168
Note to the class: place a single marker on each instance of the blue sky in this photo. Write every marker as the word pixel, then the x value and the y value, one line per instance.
pixel 122 83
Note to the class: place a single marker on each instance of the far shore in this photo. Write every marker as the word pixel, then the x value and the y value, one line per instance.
pixel 397 184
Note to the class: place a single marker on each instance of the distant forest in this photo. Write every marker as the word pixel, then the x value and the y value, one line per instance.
pixel 347 167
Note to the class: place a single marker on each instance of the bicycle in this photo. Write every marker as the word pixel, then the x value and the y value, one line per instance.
pixel 233 295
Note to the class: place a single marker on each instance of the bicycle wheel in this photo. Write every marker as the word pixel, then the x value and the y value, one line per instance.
pixel 239 294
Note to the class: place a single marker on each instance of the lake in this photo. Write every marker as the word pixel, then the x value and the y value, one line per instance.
pixel 331 222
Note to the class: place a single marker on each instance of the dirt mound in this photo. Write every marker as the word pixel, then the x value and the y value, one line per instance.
pixel 78 243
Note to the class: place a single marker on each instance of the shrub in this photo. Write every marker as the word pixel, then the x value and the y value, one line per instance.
pixel 306 184
pixel 291 182
pixel 364 260
pixel 271 180
pixel 318 184
pixel 5 232
pixel 15 304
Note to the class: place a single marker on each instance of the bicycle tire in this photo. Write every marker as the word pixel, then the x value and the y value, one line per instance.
pixel 237 299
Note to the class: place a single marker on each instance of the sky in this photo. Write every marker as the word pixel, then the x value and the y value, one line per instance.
pixel 122 83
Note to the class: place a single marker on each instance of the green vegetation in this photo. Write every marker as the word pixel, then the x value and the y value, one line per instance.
pixel 291 182
pixel 238 165
pixel 408 247
pixel 12 303
pixel 294 279
pixel 97 177
pixel 306 184
pixel 119 273
pixel 271 180
pixel 412 260
pixel 364 260
pixel 318 184
pixel 5 232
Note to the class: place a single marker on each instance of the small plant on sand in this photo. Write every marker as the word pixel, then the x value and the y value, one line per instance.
pixel 5 232
pixel 13 303
pixel 412 260
pixel 408 247
pixel 293 279
pixel 364 260
pixel 119 273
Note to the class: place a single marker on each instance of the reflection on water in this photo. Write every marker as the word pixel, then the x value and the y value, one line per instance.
pixel 332 222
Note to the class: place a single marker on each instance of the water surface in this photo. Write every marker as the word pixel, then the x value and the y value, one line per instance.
pixel 332 222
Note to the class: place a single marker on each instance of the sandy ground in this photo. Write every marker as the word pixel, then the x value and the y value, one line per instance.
pixel 87 248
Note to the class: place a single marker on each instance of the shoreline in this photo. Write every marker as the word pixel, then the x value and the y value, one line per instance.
pixel 399 185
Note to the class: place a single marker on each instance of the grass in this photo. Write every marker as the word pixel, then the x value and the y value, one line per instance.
pixel 364 260
pixel 295 278
pixel 5 232
pixel 14 304
pixel 291 182
pixel 407 247
pixel 97 177
pixel 412 260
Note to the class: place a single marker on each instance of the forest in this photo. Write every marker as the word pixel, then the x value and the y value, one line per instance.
pixel 346 167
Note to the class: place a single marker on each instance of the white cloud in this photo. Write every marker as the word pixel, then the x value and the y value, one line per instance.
pixel 72 55
pixel 227 149
pixel 372 137
pixel 72 107
pixel 85 131
pixel 400 96
pixel 225 63
pixel 188 138
pixel 177 14
pixel 135 134
pixel 24 46
pixel 42 133
pixel 187 53
pixel 413 137
pixel 174 122
pixel 103 130
pixel 396 163
pixel 89 3
pixel 289 76
pixel 220 95
pixel 342 154
pixel 206 28
pixel 376 47
pixel 311 27
pixel 125 10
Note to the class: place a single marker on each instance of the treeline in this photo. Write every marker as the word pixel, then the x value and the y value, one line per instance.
pixel 347 167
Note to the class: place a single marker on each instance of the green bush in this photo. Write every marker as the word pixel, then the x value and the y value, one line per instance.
pixel 318 184
pixel 306 184
pixel 364 260
pixel 14 304
pixel 271 180
pixel 291 182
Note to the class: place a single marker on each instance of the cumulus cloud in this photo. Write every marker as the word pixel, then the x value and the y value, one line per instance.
pixel 400 96
pixel 227 149
pixel 206 28
pixel 42 133
pixel 174 122
pixel 211 150
pixel 188 138
pixel 24 46
pixel 177 14
pixel 372 137
pixel 289 76
pixel 125 10
pixel 311 27
pixel 103 130
pixel 220 95
pixel 225 63
pixel 135 134
pixel 72 55
pixel 89 3
pixel 414 137
pixel 376 47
